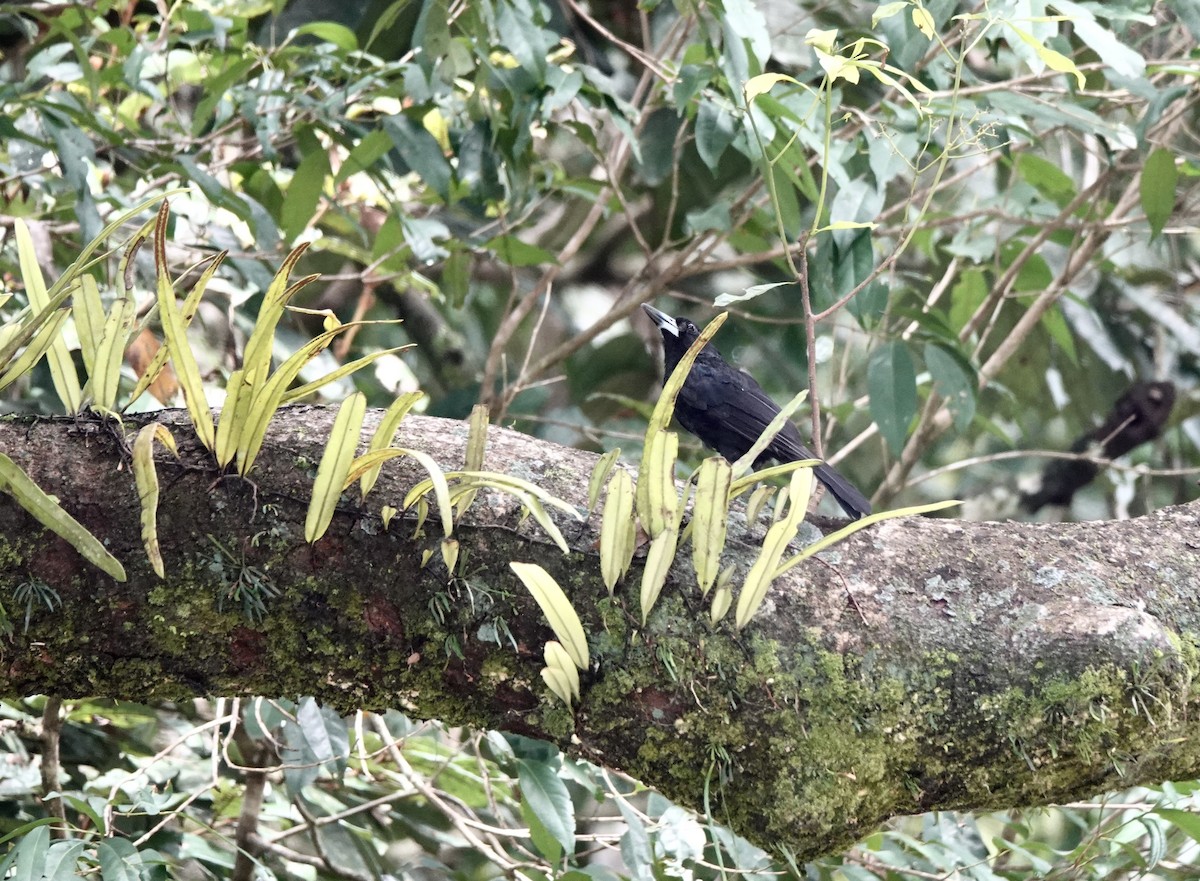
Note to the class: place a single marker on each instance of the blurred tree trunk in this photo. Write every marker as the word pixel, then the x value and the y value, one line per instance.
pixel 924 664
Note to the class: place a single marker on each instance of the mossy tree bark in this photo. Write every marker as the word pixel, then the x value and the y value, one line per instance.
pixel 923 664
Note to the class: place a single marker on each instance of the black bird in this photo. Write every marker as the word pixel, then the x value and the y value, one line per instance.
pixel 1138 417
pixel 727 410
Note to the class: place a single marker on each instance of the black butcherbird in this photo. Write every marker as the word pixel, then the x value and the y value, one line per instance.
pixel 727 410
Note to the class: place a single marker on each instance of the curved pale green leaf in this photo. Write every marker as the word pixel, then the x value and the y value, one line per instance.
pixel 763 570
pixel 657 500
pixel 855 525
pixel 710 519
pixel 1157 188
pixel 557 609
pixel 50 514
pixel 382 438
pixel 145 476
pixel 175 332
pixel 600 472
pixel 62 368
pixel 335 465
pixel 43 340
pixel 659 558
pixel 618 533
pixel 747 459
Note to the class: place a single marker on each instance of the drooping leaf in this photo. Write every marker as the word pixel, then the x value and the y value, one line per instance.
pixel 892 387
pixel 146 478
pixel 564 621
pixel 1159 178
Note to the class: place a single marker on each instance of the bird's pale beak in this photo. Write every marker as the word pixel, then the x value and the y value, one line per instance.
pixel 664 321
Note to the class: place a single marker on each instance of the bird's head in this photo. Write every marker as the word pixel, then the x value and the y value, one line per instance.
pixel 677 333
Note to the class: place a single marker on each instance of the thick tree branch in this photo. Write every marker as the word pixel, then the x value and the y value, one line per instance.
pixel 993 664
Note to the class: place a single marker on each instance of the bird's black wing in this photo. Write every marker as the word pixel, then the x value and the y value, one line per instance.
pixel 728 410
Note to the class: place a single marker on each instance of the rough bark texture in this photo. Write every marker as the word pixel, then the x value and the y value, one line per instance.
pixel 993 663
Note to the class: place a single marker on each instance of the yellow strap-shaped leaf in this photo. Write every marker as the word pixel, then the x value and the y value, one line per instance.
pixel 89 320
pixel 105 377
pixel 344 370
pixel 762 571
pixel 146 477
pixel 600 473
pixel 505 481
pixel 50 514
pixel 233 418
pixel 382 439
pixel 256 359
pixel 758 500
pixel 618 533
pixel 854 526
pixel 559 683
pixel 175 332
pixel 187 312
pixel 722 596
pixel 450 554
pixel 335 465
pixel 747 459
pixel 558 659
pixel 741 484
pixel 33 353
pixel 477 438
pixel 266 393
pixel 58 356
pixel 656 496
pixel 557 609
pixel 710 519
pixel 658 565
pixel 441 490
pixel 476 449
pixel 19 332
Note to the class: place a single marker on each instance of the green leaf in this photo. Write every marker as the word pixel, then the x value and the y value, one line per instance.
pixel 50 514
pixel 31 863
pixel 892 388
pixel 514 252
pixel 365 154
pixel 1047 178
pixel 564 621
pixel 1111 50
pixel 1159 176
pixel 716 128
pixel 710 519
pixel 303 193
pixel 335 465
pixel 62 368
pixel 62 861
pixel 325 734
pixel 952 382
pixel 546 796
pixel 1186 821
pixel 420 152
pixel 1056 325
pixel 331 32
pixel 119 860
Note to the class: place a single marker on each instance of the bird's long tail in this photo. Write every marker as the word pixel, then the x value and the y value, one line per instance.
pixel 852 501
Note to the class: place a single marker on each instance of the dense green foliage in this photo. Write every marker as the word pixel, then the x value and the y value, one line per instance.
pixel 987 212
